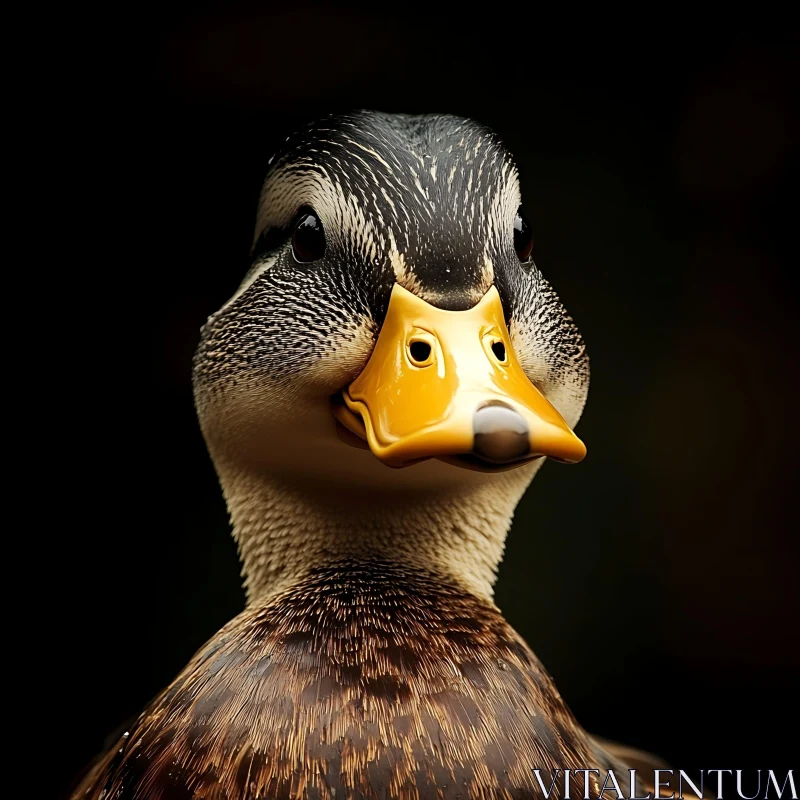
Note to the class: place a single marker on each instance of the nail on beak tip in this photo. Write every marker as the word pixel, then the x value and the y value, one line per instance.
pixel 500 434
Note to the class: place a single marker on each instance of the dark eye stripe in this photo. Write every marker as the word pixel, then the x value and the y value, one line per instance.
pixel 269 239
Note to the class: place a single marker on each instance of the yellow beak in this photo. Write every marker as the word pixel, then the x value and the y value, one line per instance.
pixel 447 384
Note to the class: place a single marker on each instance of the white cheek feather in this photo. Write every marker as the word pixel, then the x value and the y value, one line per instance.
pixel 352 346
pixel 488 267
pixel 568 392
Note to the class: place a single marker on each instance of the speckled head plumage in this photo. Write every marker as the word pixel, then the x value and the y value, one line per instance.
pixel 417 200
pixel 426 202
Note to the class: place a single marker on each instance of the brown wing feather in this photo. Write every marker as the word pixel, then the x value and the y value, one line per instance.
pixel 366 681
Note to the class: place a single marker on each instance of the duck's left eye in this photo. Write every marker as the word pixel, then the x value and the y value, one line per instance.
pixel 523 238
pixel 308 239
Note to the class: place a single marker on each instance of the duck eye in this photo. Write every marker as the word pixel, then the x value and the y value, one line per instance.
pixel 308 239
pixel 523 238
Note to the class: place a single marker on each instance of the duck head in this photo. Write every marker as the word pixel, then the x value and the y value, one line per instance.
pixel 392 335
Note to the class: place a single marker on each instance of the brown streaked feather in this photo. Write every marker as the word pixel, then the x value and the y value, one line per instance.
pixel 366 680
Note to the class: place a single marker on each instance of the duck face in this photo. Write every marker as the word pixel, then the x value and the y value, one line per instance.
pixel 392 305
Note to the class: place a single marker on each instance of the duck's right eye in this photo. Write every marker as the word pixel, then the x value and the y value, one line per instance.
pixel 308 239
pixel 523 238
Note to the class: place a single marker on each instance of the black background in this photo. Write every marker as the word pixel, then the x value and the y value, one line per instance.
pixel 658 580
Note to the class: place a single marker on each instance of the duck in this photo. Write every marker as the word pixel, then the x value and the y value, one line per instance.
pixel 376 397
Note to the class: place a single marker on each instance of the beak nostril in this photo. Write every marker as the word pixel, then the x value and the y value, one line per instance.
pixel 499 350
pixel 419 351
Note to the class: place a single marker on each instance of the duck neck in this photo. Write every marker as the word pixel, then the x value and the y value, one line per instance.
pixel 285 528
